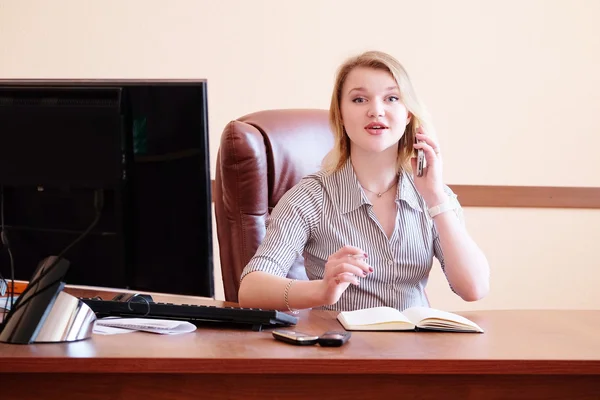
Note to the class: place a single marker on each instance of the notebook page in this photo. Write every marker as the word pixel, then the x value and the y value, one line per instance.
pixel 375 315
pixel 418 314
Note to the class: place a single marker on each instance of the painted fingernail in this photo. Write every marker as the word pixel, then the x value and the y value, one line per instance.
pixel 371 269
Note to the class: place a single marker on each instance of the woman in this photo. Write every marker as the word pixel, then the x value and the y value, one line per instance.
pixel 368 228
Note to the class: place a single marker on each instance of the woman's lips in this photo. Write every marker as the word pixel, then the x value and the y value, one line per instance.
pixel 376 128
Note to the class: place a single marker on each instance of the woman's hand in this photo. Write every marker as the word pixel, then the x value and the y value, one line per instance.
pixel 430 185
pixel 343 268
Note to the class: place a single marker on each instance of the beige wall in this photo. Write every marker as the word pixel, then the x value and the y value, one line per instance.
pixel 513 86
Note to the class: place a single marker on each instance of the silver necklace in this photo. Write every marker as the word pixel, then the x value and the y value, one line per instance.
pixel 379 194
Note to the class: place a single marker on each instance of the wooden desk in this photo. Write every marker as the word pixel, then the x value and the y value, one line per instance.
pixel 522 355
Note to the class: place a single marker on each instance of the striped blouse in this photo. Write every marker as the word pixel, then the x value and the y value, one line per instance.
pixel 326 211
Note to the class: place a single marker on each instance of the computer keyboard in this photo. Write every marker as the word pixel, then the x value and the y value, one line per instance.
pixel 255 318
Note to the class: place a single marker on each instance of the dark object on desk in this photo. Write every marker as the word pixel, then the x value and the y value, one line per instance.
pixel 333 339
pixel 46 314
pixel 256 318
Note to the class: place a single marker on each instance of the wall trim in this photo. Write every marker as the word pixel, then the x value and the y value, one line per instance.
pixel 525 196
pixel 528 196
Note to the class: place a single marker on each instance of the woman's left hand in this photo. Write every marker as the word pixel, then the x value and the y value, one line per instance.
pixel 430 185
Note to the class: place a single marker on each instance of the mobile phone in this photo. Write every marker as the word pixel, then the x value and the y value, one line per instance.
pixel 420 160
pixel 293 337
pixel 334 338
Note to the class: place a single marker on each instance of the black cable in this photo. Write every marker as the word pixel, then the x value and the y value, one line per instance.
pixel 5 242
pixel 140 297
pixel 12 285
pixel 4 308
pixel 98 205
pixel 50 230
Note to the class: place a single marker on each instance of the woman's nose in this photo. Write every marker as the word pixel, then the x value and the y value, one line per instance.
pixel 376 109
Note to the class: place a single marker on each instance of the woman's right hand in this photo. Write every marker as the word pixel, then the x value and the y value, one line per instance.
pixel 343 268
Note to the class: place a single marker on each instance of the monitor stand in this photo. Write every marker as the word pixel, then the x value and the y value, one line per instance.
pixel 48 314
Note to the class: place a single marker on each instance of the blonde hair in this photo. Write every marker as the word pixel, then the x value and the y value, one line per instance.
pixel 340 153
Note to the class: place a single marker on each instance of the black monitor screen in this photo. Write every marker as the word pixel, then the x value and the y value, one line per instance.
pixel 143 147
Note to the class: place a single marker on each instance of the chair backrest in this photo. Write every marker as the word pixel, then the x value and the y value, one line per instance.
pixel 261 156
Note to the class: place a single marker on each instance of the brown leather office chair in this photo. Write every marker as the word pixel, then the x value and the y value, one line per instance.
pixel 261 156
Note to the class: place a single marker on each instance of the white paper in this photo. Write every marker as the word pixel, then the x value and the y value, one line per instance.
pixel 109 330
pixel 5 302
pixel 162 326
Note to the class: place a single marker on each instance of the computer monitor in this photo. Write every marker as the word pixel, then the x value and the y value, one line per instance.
pixel 138 149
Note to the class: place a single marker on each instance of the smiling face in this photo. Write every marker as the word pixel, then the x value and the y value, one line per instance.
pixel 372 113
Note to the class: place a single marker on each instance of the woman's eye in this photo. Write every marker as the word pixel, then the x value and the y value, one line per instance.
pixel 358 100
pixel 393 98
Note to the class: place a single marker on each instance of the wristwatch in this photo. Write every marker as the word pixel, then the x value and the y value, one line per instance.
pixel 450 204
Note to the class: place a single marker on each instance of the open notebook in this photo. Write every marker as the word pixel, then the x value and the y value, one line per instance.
pixel 415 318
